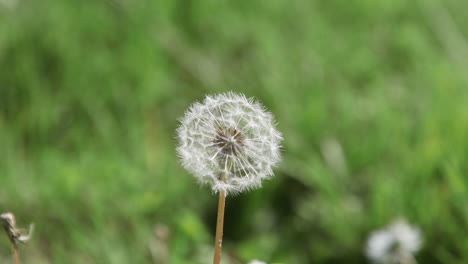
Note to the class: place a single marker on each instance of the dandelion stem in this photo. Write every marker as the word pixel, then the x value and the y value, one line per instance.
pixel 15 254
pixel 219 228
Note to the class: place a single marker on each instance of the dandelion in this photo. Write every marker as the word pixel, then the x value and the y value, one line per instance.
pixel 231 143
pixel 257 262
pixel 396 244
pixel 16 235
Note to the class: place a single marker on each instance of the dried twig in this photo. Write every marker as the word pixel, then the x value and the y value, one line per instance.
pixel 16 235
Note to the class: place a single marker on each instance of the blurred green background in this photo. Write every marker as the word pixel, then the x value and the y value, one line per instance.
pixel 371 97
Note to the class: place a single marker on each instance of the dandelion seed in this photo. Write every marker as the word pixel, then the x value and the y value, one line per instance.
pixel 229 142
pixel 396 244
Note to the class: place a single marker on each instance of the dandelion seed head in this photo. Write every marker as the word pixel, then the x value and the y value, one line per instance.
pixel 399 240
pixel 229 142
pixel 408 237
pixel 257 262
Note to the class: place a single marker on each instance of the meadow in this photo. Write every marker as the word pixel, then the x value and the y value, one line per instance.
pixel 371 98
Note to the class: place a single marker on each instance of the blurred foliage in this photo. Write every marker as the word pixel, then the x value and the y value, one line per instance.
pixel 371 97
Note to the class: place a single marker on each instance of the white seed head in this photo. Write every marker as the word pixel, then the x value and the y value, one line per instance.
pixel 396 242
pixel 229 142
pixel 257 262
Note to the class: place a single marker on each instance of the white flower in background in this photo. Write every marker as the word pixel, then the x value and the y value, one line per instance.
pixel 257 262
pixel 396 244
pixel 229 142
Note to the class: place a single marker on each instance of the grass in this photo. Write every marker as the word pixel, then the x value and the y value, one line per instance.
pixel 90 93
